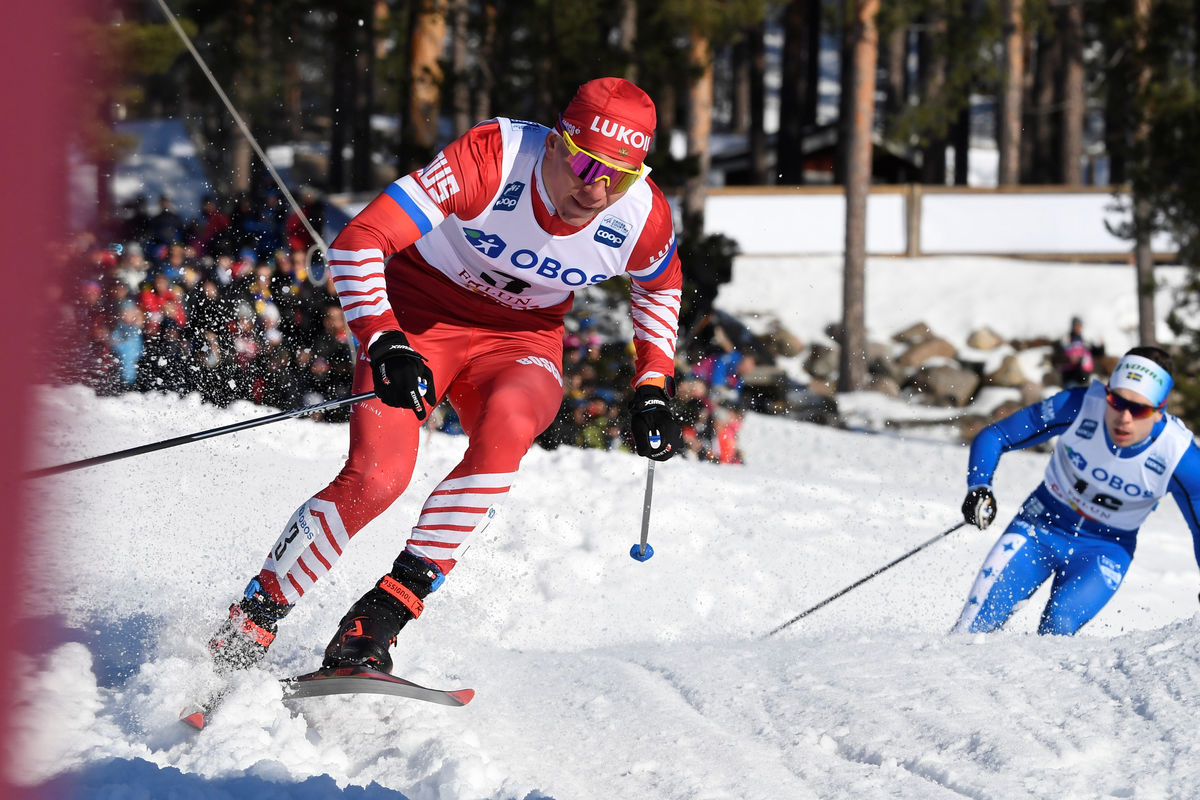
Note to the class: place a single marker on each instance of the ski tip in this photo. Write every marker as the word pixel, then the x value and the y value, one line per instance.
pixel 195 718
pixel 463 696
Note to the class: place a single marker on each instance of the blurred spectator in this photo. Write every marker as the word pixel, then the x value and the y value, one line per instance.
pixel 269 318
pixel 695 411
pixel 164 360
pixel 89 309
pixel 298 238
pixel 593 424
pixel 177 262
pixel 445 419
pixel 207 310
pixel 211 370
pixel 272 218
pixel 160 299
pixel 131 267
pixel 260 288
pixel 290 294
pixel 281 382
pixel 135 227
pixel 166 226
pixel 99 368
pixel 212 233
pixel 727 425
pixel 245 227
pixel 1075 362
pixel 333 364
pixel 241 274
pixel 246 341
pixel 125 341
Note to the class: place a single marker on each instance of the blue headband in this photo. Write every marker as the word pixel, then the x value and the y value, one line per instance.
pixel 1141 375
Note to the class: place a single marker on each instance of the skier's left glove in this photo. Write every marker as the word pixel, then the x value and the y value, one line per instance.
pixel 656 433
pixel 402 378
pixel 979 507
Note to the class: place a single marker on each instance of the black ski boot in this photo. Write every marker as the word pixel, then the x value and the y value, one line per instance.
pixel 243 639
pixel 371 625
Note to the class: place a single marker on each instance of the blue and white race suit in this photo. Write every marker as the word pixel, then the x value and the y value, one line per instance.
pixel 1081 523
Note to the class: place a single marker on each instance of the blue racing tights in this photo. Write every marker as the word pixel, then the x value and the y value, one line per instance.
pixel 1087 571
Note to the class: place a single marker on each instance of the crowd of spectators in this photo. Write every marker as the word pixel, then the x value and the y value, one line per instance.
pixel 222 306
pixel 710 396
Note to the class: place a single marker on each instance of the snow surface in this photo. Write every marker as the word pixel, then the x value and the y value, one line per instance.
pixel 599 676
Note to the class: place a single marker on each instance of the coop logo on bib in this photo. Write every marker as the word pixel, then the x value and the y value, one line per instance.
pixel 510 196
pixel 612 231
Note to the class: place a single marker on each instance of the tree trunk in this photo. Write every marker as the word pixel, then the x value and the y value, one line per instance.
pixel 1044 143
pixel 665 104
pixel 487 50
pixel 241 94
pixel 797 91
pixel 960 137
pixel 425 73
pixel 739 58
pixel 1118 102
pixel 933 92
pixel 1143 257
pixel 812 63
pixel 1073 93
pixel 896 90
pixel 759 173
pixel 1009 134
pixel 460 50
pixel 293 99
pixel 700 105
pixel 361 179
pixel 864 41
pixel 846 99
pixel 627 32
pixel 342 99
pixel 788 142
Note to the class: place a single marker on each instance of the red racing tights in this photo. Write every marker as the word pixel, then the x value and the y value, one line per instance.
pixel 505 386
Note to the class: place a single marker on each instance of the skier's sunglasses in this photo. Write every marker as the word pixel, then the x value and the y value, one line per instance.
pixel 591 168
pixel 1136 410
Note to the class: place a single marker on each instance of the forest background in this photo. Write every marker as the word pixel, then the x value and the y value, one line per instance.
pixel 1060 86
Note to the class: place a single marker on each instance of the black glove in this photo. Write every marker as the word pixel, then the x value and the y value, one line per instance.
pixel 979 508
pixel 656 433
pixel 401 374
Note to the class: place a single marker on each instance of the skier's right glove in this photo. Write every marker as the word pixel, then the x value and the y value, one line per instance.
pixel 402 378
pixel 657 434
pixel 979 507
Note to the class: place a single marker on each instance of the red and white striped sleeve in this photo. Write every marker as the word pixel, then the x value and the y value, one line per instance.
pixel 459 180
pixel 655 292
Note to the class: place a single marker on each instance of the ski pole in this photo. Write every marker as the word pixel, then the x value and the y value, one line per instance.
pixel 643 551
pixel 237 118
pixel 860 582
pixel 195 437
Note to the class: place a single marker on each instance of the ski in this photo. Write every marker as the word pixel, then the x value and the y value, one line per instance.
pixel 364 680
pixel 347 680
pixel 196 715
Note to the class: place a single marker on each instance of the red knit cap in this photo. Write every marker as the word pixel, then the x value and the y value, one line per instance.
pixel 611 117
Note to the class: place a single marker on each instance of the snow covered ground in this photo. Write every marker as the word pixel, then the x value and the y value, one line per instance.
pixel 598 676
